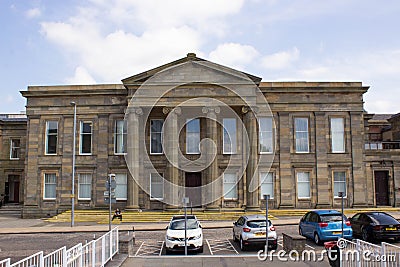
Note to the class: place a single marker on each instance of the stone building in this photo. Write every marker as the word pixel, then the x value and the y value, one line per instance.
pixel 12 157
pixel 312 137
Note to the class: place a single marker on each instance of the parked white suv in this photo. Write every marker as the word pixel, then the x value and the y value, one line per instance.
pixel 175 236
pixel 251 230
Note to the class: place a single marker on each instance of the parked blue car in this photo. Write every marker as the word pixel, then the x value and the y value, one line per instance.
pixel 324 225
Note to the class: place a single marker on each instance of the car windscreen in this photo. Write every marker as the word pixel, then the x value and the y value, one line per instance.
pixel 383 219
pixel 331 217
pixel 180 224
pixel 257 223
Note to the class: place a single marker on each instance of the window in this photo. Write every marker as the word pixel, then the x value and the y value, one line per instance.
pixel 85 186
pixel 156 136
pixel 193 136
pixel 339 183
pixel 337 135
pixel 301 134
pixel 120 137
pixel 229 136
pixel 121 191
pixel 266 140
pixel 303 185
pixel 50 186
pixel 230 186
pixel 156 186
pixel 14 148
pixel 267 184
pixel 51 137
pixel 86 138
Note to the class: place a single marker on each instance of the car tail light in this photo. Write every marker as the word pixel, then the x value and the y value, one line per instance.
pixel 246 230
pixel 378 227
pixel 348 223
pixel 272 228
pixel 323 224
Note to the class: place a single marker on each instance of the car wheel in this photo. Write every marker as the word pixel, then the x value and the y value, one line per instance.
pixel 275 247
pixel 242 245
pixel 300 231
pixel 317 239
pixel 234 237
pixel 364 234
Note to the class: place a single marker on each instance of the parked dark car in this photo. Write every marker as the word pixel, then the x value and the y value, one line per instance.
pixel 375 225
pixel 324 225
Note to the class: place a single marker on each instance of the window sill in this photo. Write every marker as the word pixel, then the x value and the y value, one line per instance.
pixel 156 199
pixel 231 199
pixel 14 158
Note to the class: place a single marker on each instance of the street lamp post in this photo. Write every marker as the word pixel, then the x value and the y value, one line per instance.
pixel 185 201
pixel 341 194
pixel 266 198
pixel 73 168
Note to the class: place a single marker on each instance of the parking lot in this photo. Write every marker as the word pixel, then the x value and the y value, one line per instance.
pixel 217 242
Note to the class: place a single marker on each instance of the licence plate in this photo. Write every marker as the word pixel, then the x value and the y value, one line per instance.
pixel 181 244
pixel 337 233
pixel 260 234
pixel 391 229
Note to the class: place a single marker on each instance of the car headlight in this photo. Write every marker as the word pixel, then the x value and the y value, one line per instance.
pixel 196 237
pixel 170 238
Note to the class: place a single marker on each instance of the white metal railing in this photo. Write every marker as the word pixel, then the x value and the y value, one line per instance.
pixel 358 253
pixel 5 263
pixel 96 253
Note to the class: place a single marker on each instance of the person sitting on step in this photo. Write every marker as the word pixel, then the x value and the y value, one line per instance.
pixel 117 214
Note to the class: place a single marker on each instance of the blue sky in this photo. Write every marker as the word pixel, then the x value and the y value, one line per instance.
pixel 47 42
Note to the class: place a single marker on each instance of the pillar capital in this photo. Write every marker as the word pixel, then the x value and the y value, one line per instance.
pixel 135 110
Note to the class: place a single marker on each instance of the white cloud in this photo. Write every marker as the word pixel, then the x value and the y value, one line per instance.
pixel 113 39
pixel 81 76
pixel 233 55
pixel 9 98
pixel 33 13
pixel 281 60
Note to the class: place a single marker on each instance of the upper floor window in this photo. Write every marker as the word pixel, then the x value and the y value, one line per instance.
pixel 337 135
pixel 121 190
pixel 15 147
pixel 229 136
pixel 301 135
pixel 85 145
pixel 50 186
pixel 120 137
pixel 193 136
pixel 266 138
pixel 230 186
pixel 303 185
pixel 266 184
pixel 156 127
pixel 85 186
pixel 156 186
pixel 51 137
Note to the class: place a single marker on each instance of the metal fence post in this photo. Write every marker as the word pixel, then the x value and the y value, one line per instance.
pixel 41 261
pixel 94 253
pixel 383 254
pixel 103 252
pixel 64 257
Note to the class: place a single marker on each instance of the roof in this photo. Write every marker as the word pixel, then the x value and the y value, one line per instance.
pixel 381 117
pixel 255 217
pixel 13 118
pixel 326 212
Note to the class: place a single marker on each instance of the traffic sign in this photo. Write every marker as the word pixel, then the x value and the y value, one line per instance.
pixel 107 200
pixel 113 184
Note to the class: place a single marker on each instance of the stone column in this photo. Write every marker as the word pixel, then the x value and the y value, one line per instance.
pixel 171 143
pixel 212 170
pixel 253 197
pixel 133 155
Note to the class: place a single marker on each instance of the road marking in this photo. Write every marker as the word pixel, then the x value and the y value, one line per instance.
pixel 232 246
pixel 150 249
pixel 161 248
pixel 209 247
pixel 310 246
pixel 139 249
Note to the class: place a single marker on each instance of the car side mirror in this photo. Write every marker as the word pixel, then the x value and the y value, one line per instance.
pixel 166 227
pixel 200 226
pixel 234 223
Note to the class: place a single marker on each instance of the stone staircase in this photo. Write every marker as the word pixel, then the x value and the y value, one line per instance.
pixel 11 210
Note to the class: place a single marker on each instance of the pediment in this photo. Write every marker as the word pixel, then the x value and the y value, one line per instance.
pixel 192 68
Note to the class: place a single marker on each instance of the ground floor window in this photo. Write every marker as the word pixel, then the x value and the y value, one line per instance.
pixel 339 183
pixel 50 186
pixel 230 186
pixel 156 186
pixel 85 186
pixel 303 185
pixel 266 184
pixel 121 190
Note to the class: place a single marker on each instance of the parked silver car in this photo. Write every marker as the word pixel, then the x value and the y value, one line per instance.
pixel 251 230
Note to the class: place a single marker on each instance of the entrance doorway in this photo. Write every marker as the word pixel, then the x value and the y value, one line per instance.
pixel 382 188
pixel 12 189
pixel 193 188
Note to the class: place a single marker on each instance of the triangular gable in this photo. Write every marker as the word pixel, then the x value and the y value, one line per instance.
pixel 142 77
